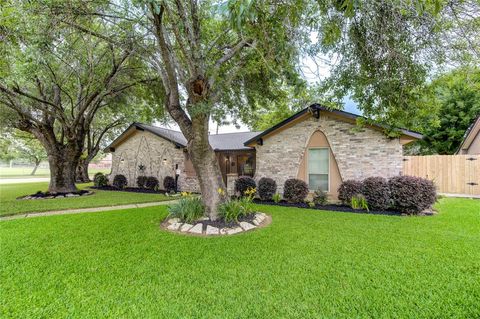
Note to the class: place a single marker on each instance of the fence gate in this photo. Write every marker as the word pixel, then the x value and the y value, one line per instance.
pixel 454 174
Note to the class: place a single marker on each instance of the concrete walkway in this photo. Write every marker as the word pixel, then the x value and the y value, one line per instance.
pixel 85 210
pixel 22 180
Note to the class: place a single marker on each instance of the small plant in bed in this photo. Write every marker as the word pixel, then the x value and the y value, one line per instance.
pixel 359 202
pixel 320 197
pixel 100 180
pixel 119 181
pixel 141 181
pixel 244 183
pixel 234 209
pixel 151 183
pixel 188 209
pixel 169 184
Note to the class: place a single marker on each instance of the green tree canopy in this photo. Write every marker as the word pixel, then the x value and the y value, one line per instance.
pixel 455 97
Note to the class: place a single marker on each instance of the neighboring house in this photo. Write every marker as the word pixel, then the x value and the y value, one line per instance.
pixel 471 140
pixel 320 146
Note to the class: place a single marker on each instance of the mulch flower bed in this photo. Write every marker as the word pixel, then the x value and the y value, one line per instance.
pixel 130 189
pixel 48 195
pixel 335 208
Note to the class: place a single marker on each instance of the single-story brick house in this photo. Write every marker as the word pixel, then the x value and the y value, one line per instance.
pixel 320 146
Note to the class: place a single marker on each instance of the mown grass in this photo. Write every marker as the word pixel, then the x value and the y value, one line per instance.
pixel 9 205
pixel 306 264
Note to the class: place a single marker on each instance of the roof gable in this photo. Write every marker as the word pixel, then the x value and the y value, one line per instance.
pixel 470 135
pixel 219 142
pixel 315 110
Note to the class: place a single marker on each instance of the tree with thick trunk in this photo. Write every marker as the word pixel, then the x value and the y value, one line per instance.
pixel 205 69
pixel 55 80
pixel 219 58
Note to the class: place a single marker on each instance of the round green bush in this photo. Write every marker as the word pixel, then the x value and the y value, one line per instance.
pixel 119 181
pixel 141 181
pixel 266 188
pixel 243 183
pixel 348 189
pixel 152 182
pixel 100 180
pixel 376 192
pixel 412 195
pixel 295 190
pixel 169 183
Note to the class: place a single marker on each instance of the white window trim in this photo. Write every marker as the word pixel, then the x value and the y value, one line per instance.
pixel 307 177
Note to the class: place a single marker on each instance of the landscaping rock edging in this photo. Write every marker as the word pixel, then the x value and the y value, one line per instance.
pixel 200 229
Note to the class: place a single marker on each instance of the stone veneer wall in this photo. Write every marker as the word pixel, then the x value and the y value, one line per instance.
pixel 359 154
pixel 149 150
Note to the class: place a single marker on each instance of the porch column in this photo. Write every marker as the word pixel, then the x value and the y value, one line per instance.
pixel 231 178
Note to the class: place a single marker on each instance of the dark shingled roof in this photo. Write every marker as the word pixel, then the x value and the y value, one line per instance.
pixel 219 142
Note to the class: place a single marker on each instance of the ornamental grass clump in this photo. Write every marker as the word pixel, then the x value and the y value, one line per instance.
pixel 188 208
pixel 233 209
pixel 359 202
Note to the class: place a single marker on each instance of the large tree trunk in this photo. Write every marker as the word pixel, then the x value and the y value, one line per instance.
pixel 62 171
pixel 82 171
pixel 207 168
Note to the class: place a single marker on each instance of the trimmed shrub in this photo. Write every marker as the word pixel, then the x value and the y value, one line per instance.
pixel 100 180
pixel 243 183
pixel 169 183
pixel 295 190
pixel 266 188
pixel 151 182
pixel 188 209
pixel 411 195
pixel 376 192
pixel 141 181
pixel 320 197
pixel 348 189
pixel 119 181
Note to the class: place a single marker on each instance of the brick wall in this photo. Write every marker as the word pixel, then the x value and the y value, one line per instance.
pixel 156 154
pixel 359 153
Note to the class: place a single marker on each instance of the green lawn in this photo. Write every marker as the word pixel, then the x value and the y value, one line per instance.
pixel 9 205
pixel 306 264
pixel 24 172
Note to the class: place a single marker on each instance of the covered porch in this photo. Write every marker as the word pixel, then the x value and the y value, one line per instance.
pixel 236 163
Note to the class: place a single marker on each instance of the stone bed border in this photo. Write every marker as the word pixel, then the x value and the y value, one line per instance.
pixel 174 225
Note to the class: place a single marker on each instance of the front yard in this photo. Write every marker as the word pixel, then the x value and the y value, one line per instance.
pixel 306 264
pixel 9 205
